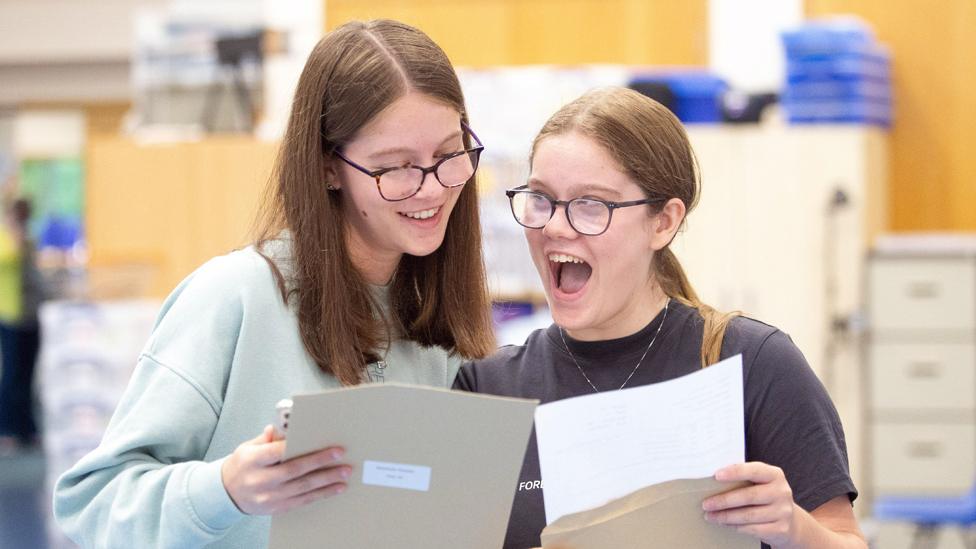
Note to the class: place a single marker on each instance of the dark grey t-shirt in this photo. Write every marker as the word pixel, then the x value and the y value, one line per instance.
pixel 790 421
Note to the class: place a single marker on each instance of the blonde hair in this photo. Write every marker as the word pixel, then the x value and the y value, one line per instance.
pixel 441 299
pixel 651 146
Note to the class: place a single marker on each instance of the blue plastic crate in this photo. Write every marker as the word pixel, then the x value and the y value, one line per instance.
pixel 833 35
pixel 837 90
pixel 873 64
pixel 878 113
pixel 698 94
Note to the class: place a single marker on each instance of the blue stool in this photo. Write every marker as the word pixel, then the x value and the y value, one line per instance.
pixel 929 514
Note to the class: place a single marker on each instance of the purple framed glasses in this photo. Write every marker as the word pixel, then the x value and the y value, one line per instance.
pixel 402 182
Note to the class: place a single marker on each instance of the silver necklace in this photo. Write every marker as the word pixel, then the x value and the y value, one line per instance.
pixel 639 362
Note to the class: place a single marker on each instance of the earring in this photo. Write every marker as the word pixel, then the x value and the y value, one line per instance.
pixel 331 187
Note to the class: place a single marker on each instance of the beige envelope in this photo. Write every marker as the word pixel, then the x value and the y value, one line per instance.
pixel 432 468
pixel 664 515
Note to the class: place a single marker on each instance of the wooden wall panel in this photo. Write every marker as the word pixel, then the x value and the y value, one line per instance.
pixel 518 32
pixel 932 164
pixel 171 207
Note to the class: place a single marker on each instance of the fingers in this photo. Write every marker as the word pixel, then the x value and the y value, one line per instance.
pixel 315 481
pixel 764 509
pixel 742 516
pixel 753 471
pixel 758 494
pixel 268 453
pixel 260 439
pixel 309 497
pixel 260 483
pixel 303 465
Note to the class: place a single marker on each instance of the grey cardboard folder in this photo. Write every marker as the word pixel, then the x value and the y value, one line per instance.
pixel 662 515
pixel 432 468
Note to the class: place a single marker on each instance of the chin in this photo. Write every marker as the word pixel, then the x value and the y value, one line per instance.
pixel 568 320
pixel 422 250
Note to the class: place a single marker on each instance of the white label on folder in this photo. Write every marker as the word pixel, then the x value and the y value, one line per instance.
pixel 396 475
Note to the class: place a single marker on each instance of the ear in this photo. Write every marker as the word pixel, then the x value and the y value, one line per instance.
pixel 667 222
pixel 331 176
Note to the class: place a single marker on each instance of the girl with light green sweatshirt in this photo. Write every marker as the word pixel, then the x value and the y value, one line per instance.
pixel 367 269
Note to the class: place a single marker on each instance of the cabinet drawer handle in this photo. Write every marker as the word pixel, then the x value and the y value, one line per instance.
pixel 924 369
pixel 924 289
pixel 924 449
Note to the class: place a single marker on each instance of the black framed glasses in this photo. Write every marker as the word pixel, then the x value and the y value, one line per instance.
pixel 587 216
pixel 402 182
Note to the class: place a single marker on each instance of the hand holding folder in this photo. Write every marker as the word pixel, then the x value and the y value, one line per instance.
pixel 432 467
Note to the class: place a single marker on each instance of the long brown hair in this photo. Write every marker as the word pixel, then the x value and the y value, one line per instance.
pixel 651 146
pixel 354 73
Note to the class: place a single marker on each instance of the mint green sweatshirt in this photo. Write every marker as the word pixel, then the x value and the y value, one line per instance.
pixel 224 350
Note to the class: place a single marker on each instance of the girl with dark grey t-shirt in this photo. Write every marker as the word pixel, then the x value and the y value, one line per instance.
pixel 612 178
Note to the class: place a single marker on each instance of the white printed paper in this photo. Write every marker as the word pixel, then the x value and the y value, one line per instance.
pixel 599 447
pixel 396 475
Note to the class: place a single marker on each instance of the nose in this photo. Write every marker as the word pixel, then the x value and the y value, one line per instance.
pixel 430 187
pixel 558 225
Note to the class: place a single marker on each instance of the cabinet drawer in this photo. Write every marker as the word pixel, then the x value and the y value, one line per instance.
pixel 930 377
pixel 923 293
pixel 923 458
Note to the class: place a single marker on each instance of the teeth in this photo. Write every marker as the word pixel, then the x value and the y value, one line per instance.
pixel 563 258
pixel 422 214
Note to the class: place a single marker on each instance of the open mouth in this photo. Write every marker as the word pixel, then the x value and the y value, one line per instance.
pixel 569 273
pixel 422 214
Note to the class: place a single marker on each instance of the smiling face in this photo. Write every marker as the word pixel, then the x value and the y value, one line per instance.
pixel 416 130
pixel 598 287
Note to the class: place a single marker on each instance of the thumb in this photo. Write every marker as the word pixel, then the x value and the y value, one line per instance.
pixel 266 436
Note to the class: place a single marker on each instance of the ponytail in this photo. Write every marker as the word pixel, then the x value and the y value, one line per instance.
pixel 674 283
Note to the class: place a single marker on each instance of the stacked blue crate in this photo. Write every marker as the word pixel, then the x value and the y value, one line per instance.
pixel 695 94
pixel 836 71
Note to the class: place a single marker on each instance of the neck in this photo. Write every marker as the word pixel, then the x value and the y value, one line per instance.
pixel 631 320
pixel 376 266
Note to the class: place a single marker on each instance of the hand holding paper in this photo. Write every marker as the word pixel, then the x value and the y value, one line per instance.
pixel 596 448
pixel 764 510
pixel 616 466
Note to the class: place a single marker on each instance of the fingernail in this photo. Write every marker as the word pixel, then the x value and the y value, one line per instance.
pixel 340 489
pixel 345 473
pixel 336 454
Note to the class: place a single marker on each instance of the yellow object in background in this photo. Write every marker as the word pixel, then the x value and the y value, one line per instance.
pixel 563 32
pixel 10 278
pixel 931 163
pixel 159 211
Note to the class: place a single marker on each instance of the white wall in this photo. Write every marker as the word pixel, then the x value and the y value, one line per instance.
pixel 66 50
pixel 743 40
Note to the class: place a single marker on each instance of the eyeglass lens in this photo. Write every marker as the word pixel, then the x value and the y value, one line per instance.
pixel 452 172
pixel 586 216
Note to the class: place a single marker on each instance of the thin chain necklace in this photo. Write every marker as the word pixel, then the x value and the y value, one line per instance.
pixel 639 362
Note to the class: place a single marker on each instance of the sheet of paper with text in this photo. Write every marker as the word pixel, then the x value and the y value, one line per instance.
pixel 599 447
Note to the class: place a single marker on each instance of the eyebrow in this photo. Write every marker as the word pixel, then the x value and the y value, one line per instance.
pixel 582 189
pixel 400 150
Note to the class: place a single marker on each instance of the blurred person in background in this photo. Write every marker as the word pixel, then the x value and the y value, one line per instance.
pixel 368 267
pixel 612 178
pixel 21 292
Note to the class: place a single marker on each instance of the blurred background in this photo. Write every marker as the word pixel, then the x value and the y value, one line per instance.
pixel 838 204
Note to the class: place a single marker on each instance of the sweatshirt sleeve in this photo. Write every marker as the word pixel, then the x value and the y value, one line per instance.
pixel 147 484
